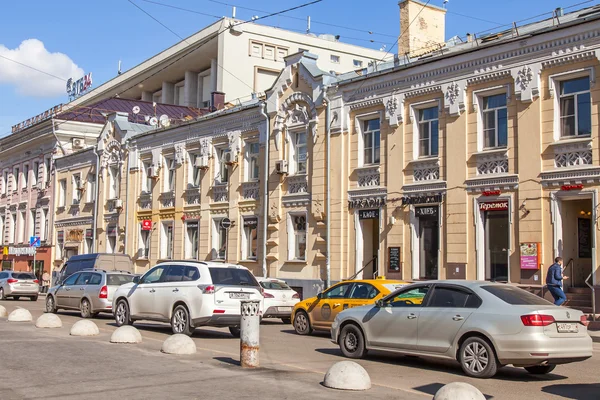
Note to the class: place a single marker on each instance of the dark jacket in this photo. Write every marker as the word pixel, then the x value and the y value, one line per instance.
pixel 554 276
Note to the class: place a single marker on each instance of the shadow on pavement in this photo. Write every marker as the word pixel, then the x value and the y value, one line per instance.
pixel 323 334
pixel 166 329
pixel 227 360
pixel 447 366
pixel 578 391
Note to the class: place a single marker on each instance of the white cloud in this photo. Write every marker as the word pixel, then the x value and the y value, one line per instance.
pixel 29 82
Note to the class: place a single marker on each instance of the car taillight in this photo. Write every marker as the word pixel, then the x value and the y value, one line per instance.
pixel 103 293
pixel 296 296
pixel 210 289
pixel 12 280
pixel 268 295
pixel 583 319
pixel 537 320
pixel 36 281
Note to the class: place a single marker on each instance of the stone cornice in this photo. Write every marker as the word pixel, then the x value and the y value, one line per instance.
pixel 503 182
pixel 569 176
pixel 73 222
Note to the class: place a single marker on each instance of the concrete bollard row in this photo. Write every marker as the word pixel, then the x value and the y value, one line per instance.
pixel 347 375
pixel 48 321
pixel 179 344
pixel 458 391
pixel 20 315
pixel 84 327
pixel 3 313
pixel 126 334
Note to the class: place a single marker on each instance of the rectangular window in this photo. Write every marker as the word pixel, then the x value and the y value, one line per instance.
pixel 575 107
pixel 60 245
pixel 16 173
pixel 62 192
pixel 47 167
pixel 269 52
pixel 25 176
pixel 44 225
pixel 146 179
pixel 281 53
pixel 31 225
pixel 371 141
pixel 192 234
pixel 428 131
pixel 169 174
pixel 495 119
pixel 357 63
pixel 2 229
pixel 335 59
pixel 222 168
pixel 144 246
pixel 195 171
pixel 111 239
pixel 21 232
pixel 250 238
pixel 252 152
pixel 219 240
pixel 114 182
pixel 77 188
pixel 256 49
pixel 297 236
pixel 166 245
pixel 180 94
pixel 89 241
pixel 300 152
pixel 12 228
pixel 91 187
pixel 36 171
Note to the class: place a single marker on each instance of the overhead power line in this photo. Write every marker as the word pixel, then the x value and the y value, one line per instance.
pixel 33 68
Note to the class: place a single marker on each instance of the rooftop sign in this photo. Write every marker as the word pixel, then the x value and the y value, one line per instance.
pixel 79 87
pixel 38 118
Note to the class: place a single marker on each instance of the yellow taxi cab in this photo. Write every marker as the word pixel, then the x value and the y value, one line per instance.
pixel 318 313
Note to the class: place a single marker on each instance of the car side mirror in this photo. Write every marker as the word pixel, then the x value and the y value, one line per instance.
pixel 319 295
pixel 136 279
pixel 379 303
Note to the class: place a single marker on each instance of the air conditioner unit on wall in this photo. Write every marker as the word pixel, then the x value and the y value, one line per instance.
pixel 229 158
pixel 201 162
pixel 152 172
pixel 281 167
pixel 78 143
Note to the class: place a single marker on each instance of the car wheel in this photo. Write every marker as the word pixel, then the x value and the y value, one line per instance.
pixel 33 298
pixel 302 323
pixel 85 308
pixel 1 294
pixel 477 358
pixel 540 369
pixel 352 342
pixel 235 331
pixel 16 297
pixel 122 316
pixel 180 321
pixel 50 305
pixel 286 320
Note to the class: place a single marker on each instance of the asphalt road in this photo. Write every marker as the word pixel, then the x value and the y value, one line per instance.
pixel 48 363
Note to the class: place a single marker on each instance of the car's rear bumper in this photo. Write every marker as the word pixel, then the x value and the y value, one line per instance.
pixel 101 305
pixel 274 312
pixel 218 320
pixel 16 291
pixel 538 349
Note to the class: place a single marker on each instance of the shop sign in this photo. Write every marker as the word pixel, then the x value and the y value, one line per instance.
pixel 368 202
pixel 38 118
pixel 368 214
pixel 571 187
pixel 394 257
pixel 89 234
pixel 192 224
pixel 530 255
pixel 146 225
pixel 75 235
pixel 435 198
pixel 426 211
pixel 79 87
pixel 22 251
pixel 492 193
pixel 111 230
pixel 494 206
pixel 250 222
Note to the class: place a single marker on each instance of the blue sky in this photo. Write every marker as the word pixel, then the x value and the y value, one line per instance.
pixel 96 34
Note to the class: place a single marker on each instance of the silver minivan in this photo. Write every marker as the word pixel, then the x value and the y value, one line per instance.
pixel 90 292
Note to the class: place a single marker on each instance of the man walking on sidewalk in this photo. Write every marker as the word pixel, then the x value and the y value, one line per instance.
pixel 554 280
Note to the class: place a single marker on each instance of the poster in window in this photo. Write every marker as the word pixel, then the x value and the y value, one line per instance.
pixel 584 237
pixel 394 262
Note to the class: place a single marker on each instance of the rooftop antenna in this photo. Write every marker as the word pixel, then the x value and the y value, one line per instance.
pixel 119 70
pixel 233 13
pixel 308 24
pixel 445 2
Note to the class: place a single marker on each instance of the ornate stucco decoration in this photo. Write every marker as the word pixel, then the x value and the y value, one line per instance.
pixel 205 143
pixel 234 142
pixel 527 85
pixel 296 111
pixel 112 154
pixel 454 98
pixel 179 153
pixel 394 106
pixel 524 77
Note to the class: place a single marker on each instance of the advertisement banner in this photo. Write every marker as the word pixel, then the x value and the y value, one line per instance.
pixel 530 255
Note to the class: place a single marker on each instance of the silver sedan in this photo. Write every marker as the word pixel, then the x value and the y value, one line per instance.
pixel 482 325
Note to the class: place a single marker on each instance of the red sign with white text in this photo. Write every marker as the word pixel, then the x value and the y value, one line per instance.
pixel 494 206
pixel 146 225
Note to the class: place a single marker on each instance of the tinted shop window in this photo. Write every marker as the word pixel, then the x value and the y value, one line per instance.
pixel 515 296
pixel 118 280
pixel 232 276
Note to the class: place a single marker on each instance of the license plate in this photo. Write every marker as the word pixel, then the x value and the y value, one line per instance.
pixel 568 328
pixel 284 309
pixel 25 284
pixel 239 295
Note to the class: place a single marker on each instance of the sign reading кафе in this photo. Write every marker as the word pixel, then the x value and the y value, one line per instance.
pixel 368 214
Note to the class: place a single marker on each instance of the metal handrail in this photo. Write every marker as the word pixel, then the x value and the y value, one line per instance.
pixel 571 262
pixel 362 269
pixel 593 297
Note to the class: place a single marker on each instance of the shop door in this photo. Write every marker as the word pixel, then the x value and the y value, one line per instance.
pixel 429 245
pixel 496 232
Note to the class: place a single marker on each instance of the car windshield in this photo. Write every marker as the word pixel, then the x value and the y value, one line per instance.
pixel 232 277
pixel 515 296
pixel 274 285
pixel 118 280
pixel 23 276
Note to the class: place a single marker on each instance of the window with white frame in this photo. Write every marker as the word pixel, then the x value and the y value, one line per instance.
pixel 252 165
pixel 371 137
pixel 222 169
pixel 575 107
pixel 219 240
pixel 299 153
pixel 77 189
pixel 296 236
pixel 192 235
pixel 114 181
pixel 144 243
pixel 166 241
pixel 357 63
pixel 169 175
pixel 335 59
pixel 31 224
pixel 60 245
pixel 62 192
pixel 250 238
pixel 428 127
pixel 2 228
pixel 111 239
pixel 91 187
pixel 36 171
pixel 25 176
pixel 47 170
pixel 16 176
pixel 494 115
pixel 44 225
pixel 146 178
pixel 195 172
pixel 12 229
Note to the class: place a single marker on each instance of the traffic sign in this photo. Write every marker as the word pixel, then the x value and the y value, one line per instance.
pixel 34 241
pixel 225 223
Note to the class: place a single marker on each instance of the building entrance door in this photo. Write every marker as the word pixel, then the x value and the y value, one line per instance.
pixel 576 245
pixel 369 226
pixel 497 245
pixel 429 241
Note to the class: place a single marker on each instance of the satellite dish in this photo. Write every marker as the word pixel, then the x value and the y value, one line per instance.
pixel 136 110
pixel 153 121
pixel 164 120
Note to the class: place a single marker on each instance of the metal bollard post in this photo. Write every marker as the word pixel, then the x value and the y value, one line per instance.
pixel 250 333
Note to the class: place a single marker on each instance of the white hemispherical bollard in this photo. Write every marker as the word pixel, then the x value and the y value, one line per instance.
pixel 20 315
pixel 84 327
pixel 179 344
pixel 458 391
pixel 347 375
pixel 3 313
pixel 48 321
pixel 126 334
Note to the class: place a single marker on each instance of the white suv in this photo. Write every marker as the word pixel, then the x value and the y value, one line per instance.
pixel 188 294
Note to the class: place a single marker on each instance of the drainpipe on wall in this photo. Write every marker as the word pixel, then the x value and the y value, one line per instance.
pixel 266 188
pixel 126 196
pixel 95 221
pixel 328 202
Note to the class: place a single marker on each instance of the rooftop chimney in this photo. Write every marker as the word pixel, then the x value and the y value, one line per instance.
pixel 422 27
pixel 217 101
